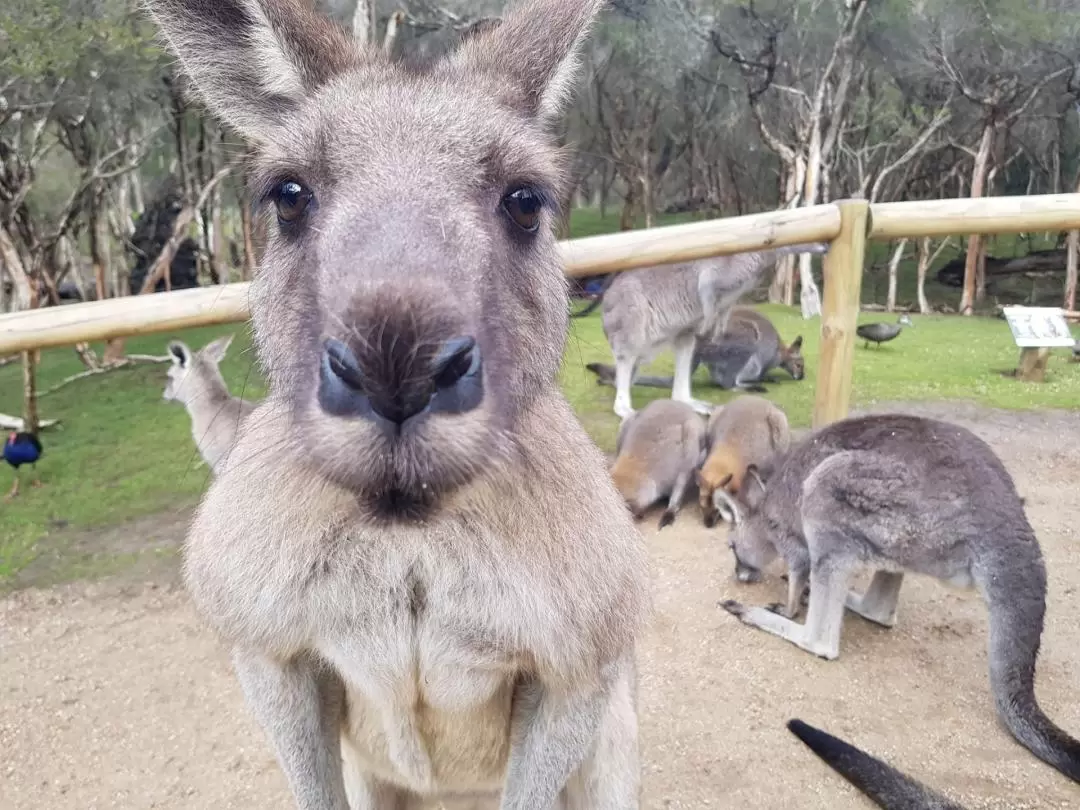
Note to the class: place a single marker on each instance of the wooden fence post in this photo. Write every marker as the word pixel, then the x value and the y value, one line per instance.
pixel 843 269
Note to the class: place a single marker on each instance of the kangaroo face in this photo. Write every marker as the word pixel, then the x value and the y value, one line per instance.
pixel 791 360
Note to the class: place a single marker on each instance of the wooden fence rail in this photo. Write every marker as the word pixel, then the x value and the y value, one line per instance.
pixel 847 224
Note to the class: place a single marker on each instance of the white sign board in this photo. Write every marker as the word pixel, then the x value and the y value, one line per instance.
pixel 1038 327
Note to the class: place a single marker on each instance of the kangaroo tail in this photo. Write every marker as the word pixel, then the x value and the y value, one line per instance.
pixel 605 375
pixel 882 783
pixel 581 313
pixel 1015 593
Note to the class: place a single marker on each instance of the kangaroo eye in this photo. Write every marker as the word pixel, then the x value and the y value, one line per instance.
pixel 523 205
pixel 292 200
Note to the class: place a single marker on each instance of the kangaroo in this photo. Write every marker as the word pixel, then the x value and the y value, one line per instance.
pixel 658 450
pixel 420 600
pixel 739 358
pixel 195 381
pixel 902 493
pixel 749 430
pixel 882 783
pixel 652 308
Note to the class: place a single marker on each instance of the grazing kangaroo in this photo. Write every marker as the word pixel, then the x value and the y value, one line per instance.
pixel 195 381
pixel 747 431
pixel 902 493
pixel 739 358
pixel 647 310
pixel 428 581
pixel 882 783
pixel 658 449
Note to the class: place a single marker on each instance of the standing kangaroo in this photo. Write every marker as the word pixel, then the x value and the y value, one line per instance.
pixel 740 357
pixel 430 587
pixel 650 309
pixel 902 493
pixel 195 381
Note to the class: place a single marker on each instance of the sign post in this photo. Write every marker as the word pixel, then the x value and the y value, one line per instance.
pixel 1036 330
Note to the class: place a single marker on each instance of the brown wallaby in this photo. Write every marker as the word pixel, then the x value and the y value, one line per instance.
pixel 429 583
pixel 654 308
pixel 195 381
pixel 882 783
pixel 747 431
pixel 902 493
pixel 739 358
pixel 658 450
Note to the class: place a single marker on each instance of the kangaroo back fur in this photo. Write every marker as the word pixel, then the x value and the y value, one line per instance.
pixel 883 784
pixel 194 379
pixel 658 450
pixel 747 431
pixel 898 493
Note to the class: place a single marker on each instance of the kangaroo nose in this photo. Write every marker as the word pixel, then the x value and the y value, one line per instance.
pixel 447 381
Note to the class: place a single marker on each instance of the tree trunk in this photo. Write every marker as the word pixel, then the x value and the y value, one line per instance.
pixel 626 220
pixel 894 265
pixel 978 183
pixel 924 265
pixel 646 189
pixel 99 242
pixel 809 297
pixel 361 22
pixel 23 287
pixel 247 272
pixel 137 203
pixel 1072 255
pixel 30 400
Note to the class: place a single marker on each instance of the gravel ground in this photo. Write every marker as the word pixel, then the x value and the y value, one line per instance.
pixel 113 695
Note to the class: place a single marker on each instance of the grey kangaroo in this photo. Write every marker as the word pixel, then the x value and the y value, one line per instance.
pixel 741 357
pixel 195 381
pixel 882 783
pixel 659 449
pixel 902 493
pixel 421 601
pixel 654 308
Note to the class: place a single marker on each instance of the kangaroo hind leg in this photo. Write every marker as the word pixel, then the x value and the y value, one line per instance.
pixel 878 603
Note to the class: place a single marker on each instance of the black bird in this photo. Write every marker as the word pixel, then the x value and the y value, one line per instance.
pixel 880 332
pixel 22 448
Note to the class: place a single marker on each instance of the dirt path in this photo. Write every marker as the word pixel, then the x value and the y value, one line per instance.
pixel 113 695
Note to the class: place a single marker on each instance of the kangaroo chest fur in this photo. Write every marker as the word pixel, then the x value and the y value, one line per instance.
pixel 430 627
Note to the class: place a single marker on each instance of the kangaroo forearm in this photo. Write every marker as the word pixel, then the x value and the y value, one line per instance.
pixel 556 733
pixel 299 711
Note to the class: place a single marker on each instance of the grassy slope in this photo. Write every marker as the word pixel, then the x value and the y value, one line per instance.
pixel 122 452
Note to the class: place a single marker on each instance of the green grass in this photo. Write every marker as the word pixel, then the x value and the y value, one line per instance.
pixel 122 452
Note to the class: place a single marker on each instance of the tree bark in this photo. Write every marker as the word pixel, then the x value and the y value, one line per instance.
pixel 99 242
pixel 1072 255
pixel 361 22
pixel 978 183
pixel 894 266
pixel 924 265
pixel 247 272
pixel 31 421
pixel 22 285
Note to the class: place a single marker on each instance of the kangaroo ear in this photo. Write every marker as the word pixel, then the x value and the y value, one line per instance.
pixel 253 61
pixel 535 46
pixel 725 480
pixel 796 344
pixel 181 354
pixel 215 349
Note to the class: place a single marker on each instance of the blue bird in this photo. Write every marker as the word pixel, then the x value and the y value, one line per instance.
pixel 22 448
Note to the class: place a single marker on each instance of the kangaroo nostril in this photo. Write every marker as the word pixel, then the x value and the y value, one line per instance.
pixel 457 358
pixel 343 364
